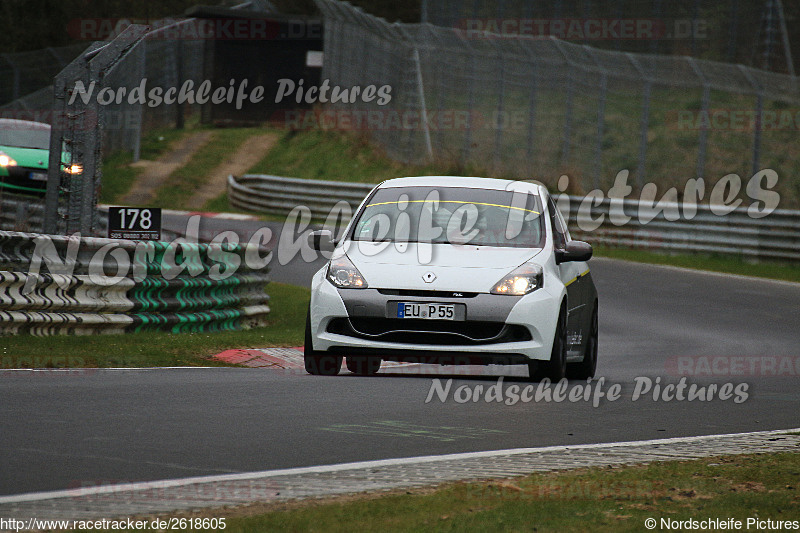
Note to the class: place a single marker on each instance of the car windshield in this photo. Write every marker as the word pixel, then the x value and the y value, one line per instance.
pixel 23 135
pixel 452 215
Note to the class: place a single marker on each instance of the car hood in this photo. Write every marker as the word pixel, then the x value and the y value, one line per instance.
pixel 455 267
pixel 27 157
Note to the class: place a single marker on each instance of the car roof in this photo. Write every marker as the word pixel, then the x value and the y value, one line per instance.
pixel 469 182
pixel 16 124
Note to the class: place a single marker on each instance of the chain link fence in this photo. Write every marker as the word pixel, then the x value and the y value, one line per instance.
pixel 516 106
pixel 161 61
pixel 164 59
pixel 24 73
pixel 754 33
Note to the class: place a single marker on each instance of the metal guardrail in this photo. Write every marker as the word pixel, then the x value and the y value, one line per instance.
pixel 275 194
pixel 26 213
pixel 115 286
pixel 776 236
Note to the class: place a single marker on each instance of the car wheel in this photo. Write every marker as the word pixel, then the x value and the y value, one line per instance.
pixel 586 368
pixel 556 367
pixel 319 363
pixel 362 365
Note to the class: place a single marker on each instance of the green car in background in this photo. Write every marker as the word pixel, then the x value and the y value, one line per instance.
pixel 24 157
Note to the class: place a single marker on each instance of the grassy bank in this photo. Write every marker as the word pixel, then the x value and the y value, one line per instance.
pixel 285 328
pixel 598 499
pixel 182 184
pixel 119 176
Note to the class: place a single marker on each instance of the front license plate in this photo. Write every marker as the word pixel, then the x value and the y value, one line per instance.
pixel 38 176
pixel 429 311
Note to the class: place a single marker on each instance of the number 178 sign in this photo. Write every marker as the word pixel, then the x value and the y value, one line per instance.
pixel 135 223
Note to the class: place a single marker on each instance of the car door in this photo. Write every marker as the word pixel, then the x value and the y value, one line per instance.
pixel 570 274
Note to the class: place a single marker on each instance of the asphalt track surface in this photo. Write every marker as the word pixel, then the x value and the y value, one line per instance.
pixel 75 429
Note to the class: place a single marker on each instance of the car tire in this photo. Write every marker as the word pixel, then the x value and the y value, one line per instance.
pixel 587 368
pixel 363 365
pixel 318 363
pixel 556 367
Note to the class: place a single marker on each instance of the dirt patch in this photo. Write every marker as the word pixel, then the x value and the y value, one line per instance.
pixel 155 173
pixel 249 153
pixel 748 486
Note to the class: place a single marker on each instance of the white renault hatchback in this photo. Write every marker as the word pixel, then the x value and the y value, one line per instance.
pixel 454 270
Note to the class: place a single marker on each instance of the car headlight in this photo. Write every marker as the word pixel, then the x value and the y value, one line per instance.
pixel 6 161
pixel 524 279
pixel 73 169
pixel 343 274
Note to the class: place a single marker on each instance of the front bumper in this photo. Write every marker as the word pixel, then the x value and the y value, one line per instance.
pixel 20 179
pixel 495 329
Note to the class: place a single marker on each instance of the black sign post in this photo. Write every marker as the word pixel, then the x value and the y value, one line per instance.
pixel 134 223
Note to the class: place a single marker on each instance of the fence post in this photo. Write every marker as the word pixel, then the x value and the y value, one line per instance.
pixel 498 134
pixel 787 50
pixel 759 91
pixel 64 136
pixel 83 143
pixel 565 142
pixel 532 103
pixel 601 119
pixel 467 149
pixel 423 108
pixel 701 150
pixel 179 75
pixel 641 169
pixel 438 75
pixel 141 51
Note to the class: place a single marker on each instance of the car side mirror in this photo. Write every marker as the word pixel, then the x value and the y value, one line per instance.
pixel 574 251
pixel 321 240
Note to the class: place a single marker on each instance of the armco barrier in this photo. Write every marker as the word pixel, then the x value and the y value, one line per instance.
pixel 274 194
pixel 776 236
pixel 62 285
pixel 26 213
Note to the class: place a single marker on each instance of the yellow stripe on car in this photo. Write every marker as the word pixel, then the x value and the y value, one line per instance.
pixel 567 284
pixel 457 202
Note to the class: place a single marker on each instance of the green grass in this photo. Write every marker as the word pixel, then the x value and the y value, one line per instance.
pixel 337 156
pixel 183 182
pixel 598 499
pixel 714 263
pixel 285 328
pixel 220 204
pixel 119 176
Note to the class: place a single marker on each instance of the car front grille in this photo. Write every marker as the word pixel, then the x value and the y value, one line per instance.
pixel 429 332
pixel 428 294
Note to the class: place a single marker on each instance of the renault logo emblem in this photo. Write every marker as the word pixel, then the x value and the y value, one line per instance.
pixel 429 277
